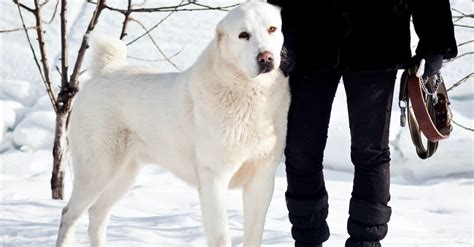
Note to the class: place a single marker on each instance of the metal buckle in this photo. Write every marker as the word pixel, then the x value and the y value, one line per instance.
pixel 403 117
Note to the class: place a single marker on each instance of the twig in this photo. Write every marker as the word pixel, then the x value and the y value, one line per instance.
pixel 462 126
pixel 460 25
pixel 54 13
pixel 460 81
pixel 458 57
pixel 465 54
pixel 64 48
pixel 465 43
pixel 126 19
pixel 29 41
pixel 221 8
pixel 58 70
pixel 156 60
pixel 171 9
pixel 73 81
pixel 16 29
pixel 49 90
pixel 44 55
pixel 149 30
pixel 155 44
pixel 24 6
pixel 44 3
pixel 458 11
pixel 33 27
pixel 464 16
pixel 175 8
pixel 150 10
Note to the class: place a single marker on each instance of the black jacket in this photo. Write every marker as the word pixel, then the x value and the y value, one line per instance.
pixel 365 34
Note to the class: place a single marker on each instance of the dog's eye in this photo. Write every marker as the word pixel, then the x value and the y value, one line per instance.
pixel 244 35
pixel 272 29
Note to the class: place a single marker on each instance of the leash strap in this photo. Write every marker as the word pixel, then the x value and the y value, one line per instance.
pixel 429 113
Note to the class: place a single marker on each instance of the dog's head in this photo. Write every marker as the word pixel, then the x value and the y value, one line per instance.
pixel 250 38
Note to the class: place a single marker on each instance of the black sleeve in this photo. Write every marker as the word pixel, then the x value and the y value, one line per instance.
pixel 434 26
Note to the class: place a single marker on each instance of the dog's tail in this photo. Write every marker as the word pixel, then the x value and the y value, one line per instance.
pixel 106 54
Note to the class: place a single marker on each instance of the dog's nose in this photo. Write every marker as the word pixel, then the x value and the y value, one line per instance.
pixel 265 61
pixel 265 57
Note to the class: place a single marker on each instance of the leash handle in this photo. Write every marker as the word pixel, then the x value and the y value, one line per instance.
pixel 426 116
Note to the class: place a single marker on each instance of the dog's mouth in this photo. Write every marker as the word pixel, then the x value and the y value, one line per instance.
pixel 265 68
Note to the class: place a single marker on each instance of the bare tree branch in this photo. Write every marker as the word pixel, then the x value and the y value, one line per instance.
pixel 460 81
pixel 465 43
pixel 54 13
pixel 175 8
pixel 461 16
pixel 464 16
pixel 458 57
pixel 461 25
pixel 44 74
pixel 73 81
pixel 458 11
pixel 155 44
pixel 157 60
pixel 171 9
pixel 126 19
pixel 464 54
pixel 44 55
pixel 64 47
pixel 16 29
pixel 24 6
pixel 33 27
pixel 149 30
pixel 221 8
pixel 462 126
pixel 58 70
pixel 44 3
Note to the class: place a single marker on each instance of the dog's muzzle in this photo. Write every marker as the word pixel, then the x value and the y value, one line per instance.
pixel 265 62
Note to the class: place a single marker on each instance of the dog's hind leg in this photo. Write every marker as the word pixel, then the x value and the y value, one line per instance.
pixel 99 213
pixel 257 194
pixel 90 179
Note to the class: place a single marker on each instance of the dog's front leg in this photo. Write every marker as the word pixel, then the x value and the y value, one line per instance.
pixel 212 188
pixel 257 194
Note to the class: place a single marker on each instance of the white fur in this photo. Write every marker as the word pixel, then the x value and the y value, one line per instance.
pixel 219 124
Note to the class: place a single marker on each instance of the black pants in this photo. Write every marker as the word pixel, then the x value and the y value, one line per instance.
pixel 369 100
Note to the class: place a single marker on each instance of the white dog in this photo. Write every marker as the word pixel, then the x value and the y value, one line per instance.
pixel 219 124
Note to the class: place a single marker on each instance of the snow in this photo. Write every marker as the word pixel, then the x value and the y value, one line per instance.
pixel 432 200
pixel 21 91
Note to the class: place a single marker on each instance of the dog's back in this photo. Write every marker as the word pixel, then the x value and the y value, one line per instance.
pixel 126 111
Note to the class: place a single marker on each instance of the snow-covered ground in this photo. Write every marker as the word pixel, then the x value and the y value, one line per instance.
pixel 432 200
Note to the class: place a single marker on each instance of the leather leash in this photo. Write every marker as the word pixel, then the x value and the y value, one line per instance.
pixel 429 114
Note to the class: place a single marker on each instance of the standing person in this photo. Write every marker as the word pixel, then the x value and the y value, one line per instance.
pixel 364 43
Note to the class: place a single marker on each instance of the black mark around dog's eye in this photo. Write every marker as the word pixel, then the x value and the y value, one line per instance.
pixel 244 35
pixel 272 29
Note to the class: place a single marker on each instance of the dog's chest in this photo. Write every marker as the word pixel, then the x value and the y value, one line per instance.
pixel 248 125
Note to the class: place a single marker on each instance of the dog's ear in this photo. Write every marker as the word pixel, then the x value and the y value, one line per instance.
pixel 220 31
pixel 219 35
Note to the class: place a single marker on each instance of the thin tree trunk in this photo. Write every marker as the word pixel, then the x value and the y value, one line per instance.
pixel 60 149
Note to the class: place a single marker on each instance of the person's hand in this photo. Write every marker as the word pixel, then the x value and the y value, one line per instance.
pixel 428 65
